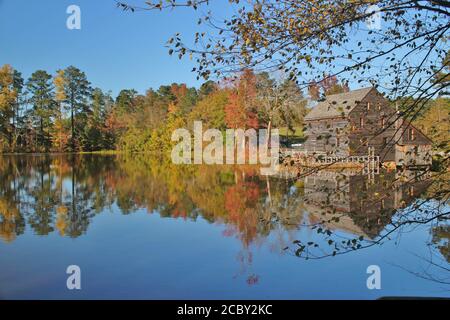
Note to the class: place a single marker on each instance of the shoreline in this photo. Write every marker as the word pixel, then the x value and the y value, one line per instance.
pixel 108 152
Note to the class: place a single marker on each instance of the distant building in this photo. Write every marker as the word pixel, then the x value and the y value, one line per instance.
pixel 347 124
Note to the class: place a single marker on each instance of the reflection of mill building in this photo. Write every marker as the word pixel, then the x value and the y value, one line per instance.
pixel 364 208
pixel 347 124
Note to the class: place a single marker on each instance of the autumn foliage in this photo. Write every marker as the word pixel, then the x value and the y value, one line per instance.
pixel 241 110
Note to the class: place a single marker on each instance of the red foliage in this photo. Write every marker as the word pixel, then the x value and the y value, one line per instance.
pixel 240 112
pixel 179 91
pixel 240 203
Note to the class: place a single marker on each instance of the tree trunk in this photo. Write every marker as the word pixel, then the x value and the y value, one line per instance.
pixel 14 120
pixel 72 128
pixel 72 106
pixel 268 190
pixel 269 134
pixel 42 132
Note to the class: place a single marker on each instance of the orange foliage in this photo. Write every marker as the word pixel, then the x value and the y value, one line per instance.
pixel 240 203
pixel 240 112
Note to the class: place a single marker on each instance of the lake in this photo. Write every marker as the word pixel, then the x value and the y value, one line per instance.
pixel 140 227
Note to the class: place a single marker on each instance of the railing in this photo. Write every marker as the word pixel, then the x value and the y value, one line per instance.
pixel 347 159
pixel 370 161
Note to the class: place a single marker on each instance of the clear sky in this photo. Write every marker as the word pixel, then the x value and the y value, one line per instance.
pixel 116 49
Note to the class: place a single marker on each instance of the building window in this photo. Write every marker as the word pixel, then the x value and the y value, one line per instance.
pixel 368 106
pixel 379 106
pixel 383 122
pixel 361 122
pixel 412 134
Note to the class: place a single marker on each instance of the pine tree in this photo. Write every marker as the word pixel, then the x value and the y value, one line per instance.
pixel 40 87
pixel 77 92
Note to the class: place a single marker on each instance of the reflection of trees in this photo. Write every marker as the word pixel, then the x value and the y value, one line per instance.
pixel 12 222
pixel 441 240
pixel 434 264
pixel 344 211
pixel 49 192
pixel 64 193
pixel 240 204
pixel 282 211
pixel 42 201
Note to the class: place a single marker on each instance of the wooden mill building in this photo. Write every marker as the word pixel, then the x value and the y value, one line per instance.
pixel 347 124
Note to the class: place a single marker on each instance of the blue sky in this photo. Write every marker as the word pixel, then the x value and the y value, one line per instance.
pixel 116 49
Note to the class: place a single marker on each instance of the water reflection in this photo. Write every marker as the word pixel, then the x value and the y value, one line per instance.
pixel 351 202
pixel 64 193
pixel 323 214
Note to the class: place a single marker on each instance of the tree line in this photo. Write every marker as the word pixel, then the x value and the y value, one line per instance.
pixel 65 113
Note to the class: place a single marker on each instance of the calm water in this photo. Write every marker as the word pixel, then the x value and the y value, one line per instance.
pixel 140 228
